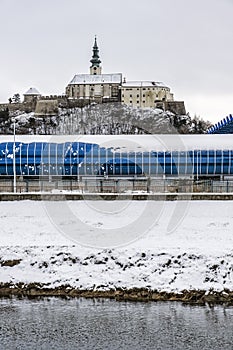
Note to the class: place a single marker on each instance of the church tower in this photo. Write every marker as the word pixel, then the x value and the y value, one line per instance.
pixel 95 61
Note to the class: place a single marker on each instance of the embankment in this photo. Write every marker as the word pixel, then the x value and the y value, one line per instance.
pixel 35 290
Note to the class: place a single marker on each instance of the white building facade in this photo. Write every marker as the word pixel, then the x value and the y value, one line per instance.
pixel 145 94
pixel 98 87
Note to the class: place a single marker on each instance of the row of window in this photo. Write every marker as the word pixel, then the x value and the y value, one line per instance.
pixel 138 95
pixel 76 92
pixel 79 86
pixel 149 89
pixel 138 102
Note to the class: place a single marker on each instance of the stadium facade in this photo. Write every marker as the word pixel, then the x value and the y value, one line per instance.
pixel 225 126
pixel 164 156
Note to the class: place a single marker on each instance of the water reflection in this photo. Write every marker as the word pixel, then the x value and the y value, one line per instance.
pixel 53 323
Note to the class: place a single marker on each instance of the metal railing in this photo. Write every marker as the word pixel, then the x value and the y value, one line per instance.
pixel 114 185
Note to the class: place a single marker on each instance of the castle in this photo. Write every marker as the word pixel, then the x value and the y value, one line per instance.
pixel 97 87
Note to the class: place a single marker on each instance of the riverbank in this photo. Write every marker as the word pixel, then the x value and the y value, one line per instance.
pixel 37 290
pixel 136 250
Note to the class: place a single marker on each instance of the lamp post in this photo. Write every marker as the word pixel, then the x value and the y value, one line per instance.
pixel 14 168
pixel 198 152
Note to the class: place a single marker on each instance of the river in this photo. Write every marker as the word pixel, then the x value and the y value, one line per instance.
pixel 55 323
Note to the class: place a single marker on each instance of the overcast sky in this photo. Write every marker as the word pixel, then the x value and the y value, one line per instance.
pixel 187 44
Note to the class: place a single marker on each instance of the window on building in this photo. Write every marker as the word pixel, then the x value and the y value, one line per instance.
pixel 144 101
pixel 115 91
pixel 137 95
pixel 143 95
pixel 137 102
pixel 130 95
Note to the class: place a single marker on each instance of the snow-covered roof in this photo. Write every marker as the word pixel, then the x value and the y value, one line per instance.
pixel 32 91
pixel 97 79
pixel 144 84
pixel 123 143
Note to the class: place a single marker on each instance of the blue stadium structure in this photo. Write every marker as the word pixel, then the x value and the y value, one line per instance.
pixel 121 155
pixel 225 126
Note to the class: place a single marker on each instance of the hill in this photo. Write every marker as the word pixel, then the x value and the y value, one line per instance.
pixel 99 119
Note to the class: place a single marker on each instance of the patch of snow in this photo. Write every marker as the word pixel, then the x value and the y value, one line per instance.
pixel 144 84
pixel 96 78
pixel 32 91
pixel 198 253
pixel 158 143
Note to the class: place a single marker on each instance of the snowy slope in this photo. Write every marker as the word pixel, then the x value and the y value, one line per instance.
pixel 197 253
pixel 103 119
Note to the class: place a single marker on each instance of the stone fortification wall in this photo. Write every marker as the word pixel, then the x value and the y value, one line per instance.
pixel 10 106
pixel 45 105
pixel 176 107
pixel 22 107
pixel 48 105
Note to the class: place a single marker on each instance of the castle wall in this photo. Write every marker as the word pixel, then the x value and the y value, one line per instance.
pixel 46 107
pixel 176 107
pixel 94 92
pixel 145 96
pixel 12 107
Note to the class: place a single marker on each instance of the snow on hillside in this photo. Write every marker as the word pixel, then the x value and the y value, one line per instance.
pixel 197 254
pixel 103 119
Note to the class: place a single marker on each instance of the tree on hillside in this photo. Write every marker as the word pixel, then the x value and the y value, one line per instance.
pixel 4 114
pixel 199 126
pixel 16 98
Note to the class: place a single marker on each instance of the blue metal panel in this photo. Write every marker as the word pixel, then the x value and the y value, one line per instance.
pixel 3 153
pixel 79 159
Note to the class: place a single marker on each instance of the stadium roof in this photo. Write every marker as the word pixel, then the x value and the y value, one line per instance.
pixel 138 143
pixel 225 126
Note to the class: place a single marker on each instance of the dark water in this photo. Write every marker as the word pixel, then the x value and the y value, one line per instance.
pixel 54 323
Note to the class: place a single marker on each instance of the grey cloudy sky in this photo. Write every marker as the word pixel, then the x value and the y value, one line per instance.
pixel 186 44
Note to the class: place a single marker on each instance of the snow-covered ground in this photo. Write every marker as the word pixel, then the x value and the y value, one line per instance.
pixel 168 246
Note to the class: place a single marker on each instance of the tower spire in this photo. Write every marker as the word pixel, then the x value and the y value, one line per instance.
pixel 95 61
